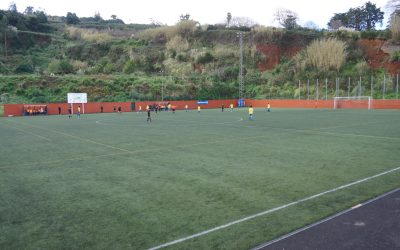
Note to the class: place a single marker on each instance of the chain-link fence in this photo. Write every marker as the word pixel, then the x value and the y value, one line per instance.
pixel 386 87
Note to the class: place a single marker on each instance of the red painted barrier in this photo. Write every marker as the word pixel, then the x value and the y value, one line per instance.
pixel 191 104
pixel 290 103
pixel 95 107
pixel 53 108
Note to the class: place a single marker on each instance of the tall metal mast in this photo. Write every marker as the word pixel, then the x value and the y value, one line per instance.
pixel 241 83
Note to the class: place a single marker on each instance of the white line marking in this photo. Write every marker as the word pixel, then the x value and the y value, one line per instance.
pixel 323 221
pixel 133 151
pixel 75 137
pixel 27 132
pixel 331 133
pixel 271 210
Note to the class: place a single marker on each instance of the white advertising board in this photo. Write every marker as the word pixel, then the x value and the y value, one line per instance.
pixel 77 97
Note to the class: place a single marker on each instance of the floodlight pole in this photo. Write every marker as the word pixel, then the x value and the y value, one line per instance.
pixel 241 83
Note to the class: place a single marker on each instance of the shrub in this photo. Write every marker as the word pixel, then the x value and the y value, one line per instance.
pixel 79 65
pixel 326 54
pixel 396 56
pixel 54 67
pixel 186 28
pixel 24 67
pixel 109 68
pixel 205 58
pixel 182 57
pixel 177 44
pixel 129 67
pixel 395 28
pixel 157 35
pixel 66 67
pixel 74 33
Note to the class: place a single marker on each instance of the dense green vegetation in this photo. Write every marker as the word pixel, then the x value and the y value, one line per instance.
pixel 46 57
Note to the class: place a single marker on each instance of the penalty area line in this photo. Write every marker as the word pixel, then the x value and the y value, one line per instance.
pixel 272 210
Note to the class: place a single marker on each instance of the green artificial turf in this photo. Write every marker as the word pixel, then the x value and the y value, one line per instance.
pixel 113 181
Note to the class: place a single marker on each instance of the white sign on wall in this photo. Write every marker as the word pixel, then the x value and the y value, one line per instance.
pixel 77 97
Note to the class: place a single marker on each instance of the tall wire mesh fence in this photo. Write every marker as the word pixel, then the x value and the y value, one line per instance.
pixel 382 87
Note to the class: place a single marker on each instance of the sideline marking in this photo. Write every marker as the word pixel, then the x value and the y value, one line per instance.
pixel 76 137
pixel 324 220
pixel 271 210
pixel 27 132
pixel 130 151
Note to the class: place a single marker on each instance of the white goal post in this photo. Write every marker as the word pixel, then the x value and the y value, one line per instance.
pixel 359 102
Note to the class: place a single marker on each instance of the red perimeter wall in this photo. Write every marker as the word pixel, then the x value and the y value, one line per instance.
pixel 191 104
pixel 94 107
pixel 87 108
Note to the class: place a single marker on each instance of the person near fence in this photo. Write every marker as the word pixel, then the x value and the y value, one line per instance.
pixel 79 112
pixel 69 112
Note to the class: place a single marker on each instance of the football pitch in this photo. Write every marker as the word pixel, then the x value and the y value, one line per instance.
pixel 213 180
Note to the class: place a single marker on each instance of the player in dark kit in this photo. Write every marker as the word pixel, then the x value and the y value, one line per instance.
pixel 69 112
pixel 148 115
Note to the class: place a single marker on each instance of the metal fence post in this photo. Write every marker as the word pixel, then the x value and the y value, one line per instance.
pixel 299 89
pixel 348 89
pixel 372 84
pixel 397 86
pixel 384 87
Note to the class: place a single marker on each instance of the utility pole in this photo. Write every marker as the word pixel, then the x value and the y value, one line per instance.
pixel 241 83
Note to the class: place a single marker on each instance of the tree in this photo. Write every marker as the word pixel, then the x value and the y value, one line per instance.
pixel 184 17
pixel 28 10
pixel 355 19
pixel 13 8
pixel 4 28
pixel 286 18
pixel 228 19
pixel 114 17
pixel 372 15
pixel 97 17
pixel 41 16
pixel 72 18
pixel 360 18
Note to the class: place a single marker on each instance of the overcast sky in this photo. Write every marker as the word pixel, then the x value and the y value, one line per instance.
pixel 203 11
